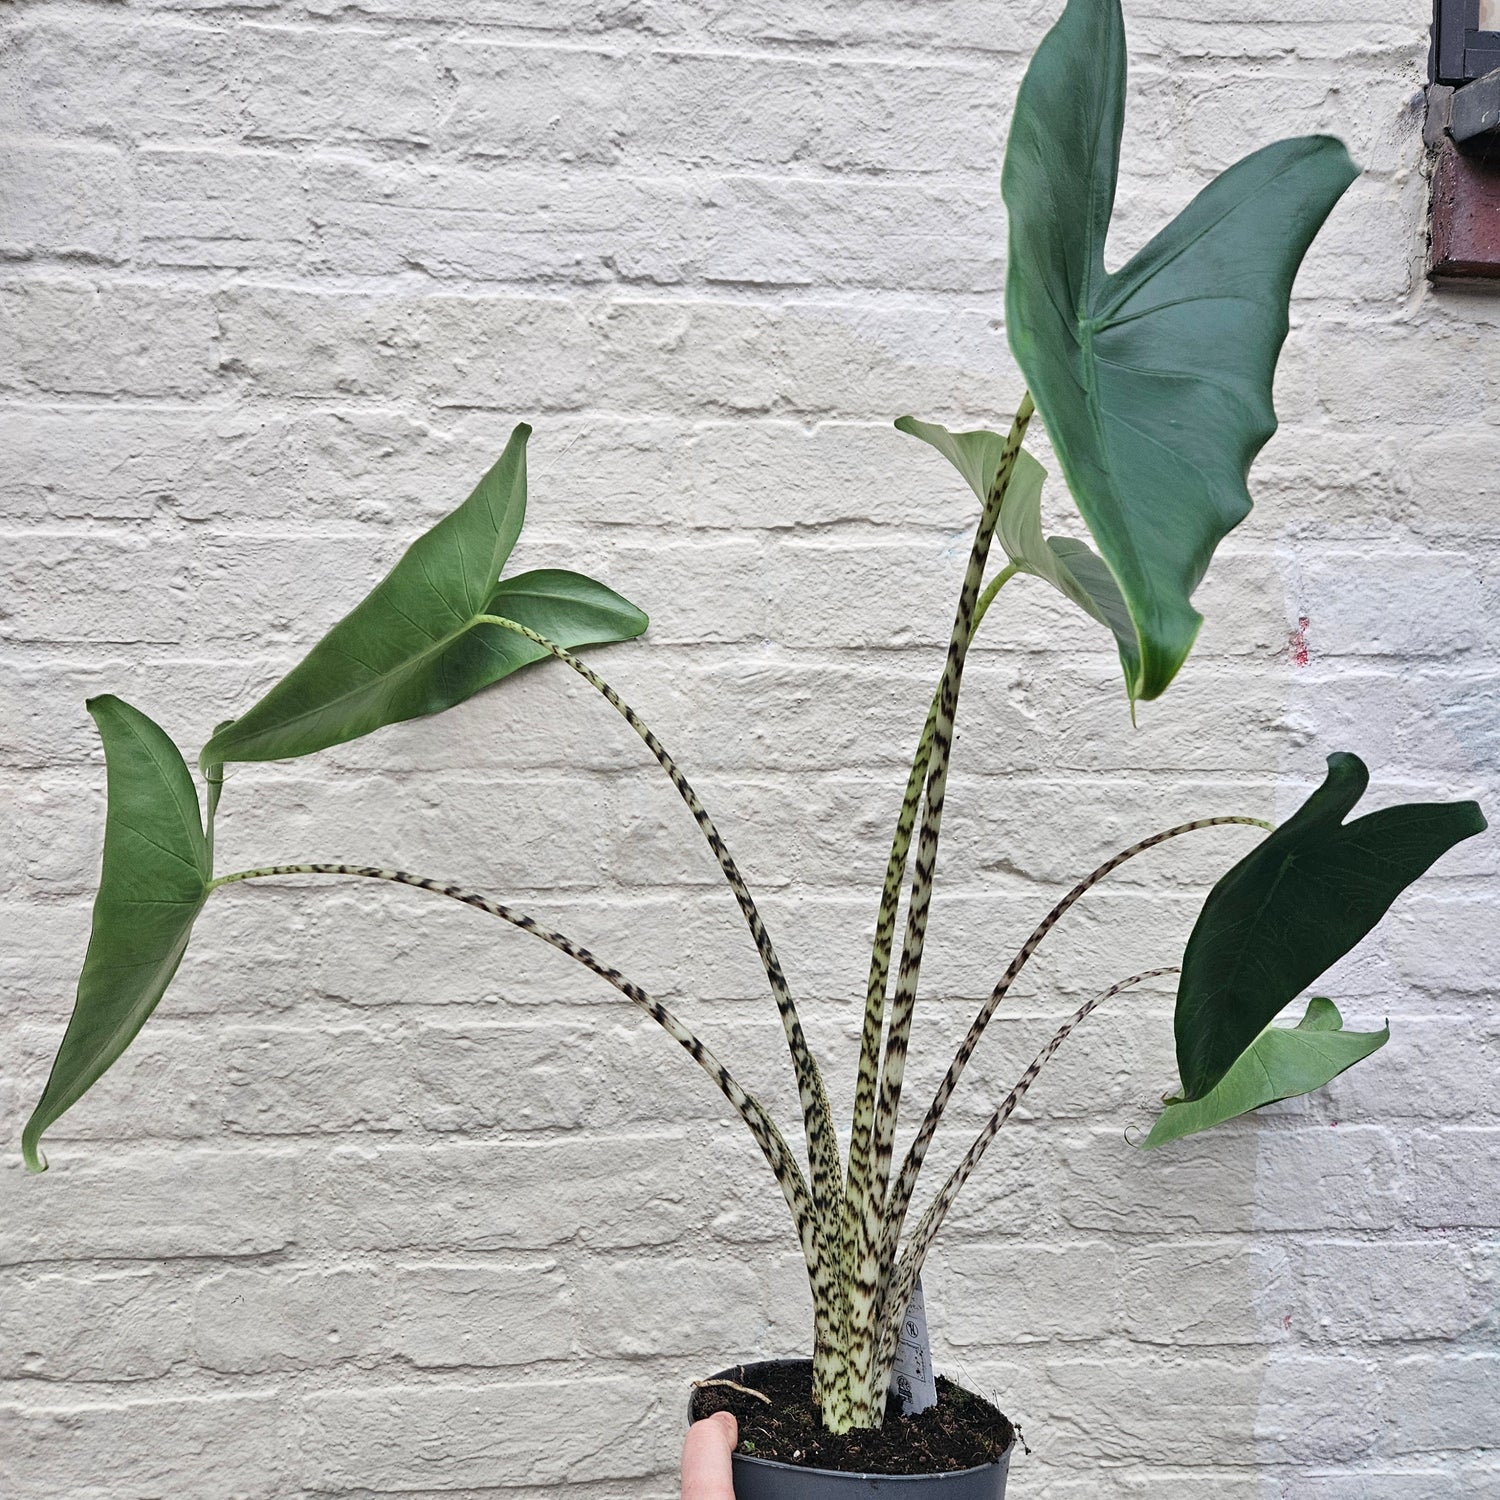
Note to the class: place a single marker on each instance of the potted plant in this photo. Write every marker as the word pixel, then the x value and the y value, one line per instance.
pixel 1154 384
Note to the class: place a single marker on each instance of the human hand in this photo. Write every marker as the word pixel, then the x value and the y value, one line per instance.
pixel 706 1470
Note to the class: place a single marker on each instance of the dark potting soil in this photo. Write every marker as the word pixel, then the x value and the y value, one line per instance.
pixel 962 1431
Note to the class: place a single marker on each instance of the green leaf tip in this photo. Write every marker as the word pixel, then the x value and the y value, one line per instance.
pixel 1296 904
pixel 1155 381
pixel 415 645
pixel 1281 1063
pixel 153 883
pixel 219 729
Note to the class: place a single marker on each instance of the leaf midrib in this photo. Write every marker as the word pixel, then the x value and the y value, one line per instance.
pixel 193 827
pixel 1120 278
pixel 438 646
pixel 94 1054
pixel 1121 284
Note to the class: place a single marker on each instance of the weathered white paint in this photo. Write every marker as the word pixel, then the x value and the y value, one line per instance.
pixel 386 1202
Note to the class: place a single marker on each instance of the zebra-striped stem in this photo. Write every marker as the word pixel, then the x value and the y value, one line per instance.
pixel 868 1279
pixel 821 1259
pixel 822 1140
pixel 904 1281
pixel 906 1182
pixel 862 1125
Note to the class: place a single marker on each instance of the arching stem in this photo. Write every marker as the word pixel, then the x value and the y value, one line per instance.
pixel 821 1259
pixel 906 1182
pixel 822 1140
pixel 904 1280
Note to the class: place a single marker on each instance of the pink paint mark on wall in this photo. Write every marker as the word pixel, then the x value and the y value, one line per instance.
pixel 1296 642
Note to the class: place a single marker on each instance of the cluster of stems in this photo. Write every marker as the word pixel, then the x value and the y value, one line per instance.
pixel 849 1217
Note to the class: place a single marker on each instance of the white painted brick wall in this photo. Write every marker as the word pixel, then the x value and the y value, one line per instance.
pixel 386 1202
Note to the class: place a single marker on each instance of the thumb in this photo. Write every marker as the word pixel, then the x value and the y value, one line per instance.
pixel 707 1473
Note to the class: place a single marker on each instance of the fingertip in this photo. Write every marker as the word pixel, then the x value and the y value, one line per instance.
pixel 727 1419
pixel 707 1465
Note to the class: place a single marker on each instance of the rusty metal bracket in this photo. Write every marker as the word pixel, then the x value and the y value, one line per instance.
pixel 1465 217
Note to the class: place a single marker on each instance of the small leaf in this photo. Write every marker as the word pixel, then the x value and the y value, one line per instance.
pixel 1282 1062
pixel 412 646
pixel 1090 574
pixel 154 883
pixel 976 455
pixel 1296 904
pixel 1073 568
pixel 1154 382
pixel 567 608
pixel 1070 567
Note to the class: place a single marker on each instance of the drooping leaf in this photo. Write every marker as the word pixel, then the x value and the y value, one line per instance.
pixel 976 455
pixel 1154 382
pixel 1090 574
pixel 412 647
pixel 1295 905
pixel 1070 567
pixel 1282 1062
pixel 153 885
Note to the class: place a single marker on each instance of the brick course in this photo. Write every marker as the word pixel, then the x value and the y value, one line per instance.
pixel 388 1201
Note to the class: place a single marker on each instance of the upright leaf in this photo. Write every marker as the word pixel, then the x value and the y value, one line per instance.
pixel 154 883
pixel 1282 1062
pixel 1295 905
pixel 1154 382
pixel 413 647
pixel 1071 567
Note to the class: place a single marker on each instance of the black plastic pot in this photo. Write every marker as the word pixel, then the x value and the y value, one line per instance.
pixel 761 1479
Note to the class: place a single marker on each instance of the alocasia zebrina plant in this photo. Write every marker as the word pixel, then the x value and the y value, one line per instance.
pixel 1154 383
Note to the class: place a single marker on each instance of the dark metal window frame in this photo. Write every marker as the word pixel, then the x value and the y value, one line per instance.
pixel 1460 50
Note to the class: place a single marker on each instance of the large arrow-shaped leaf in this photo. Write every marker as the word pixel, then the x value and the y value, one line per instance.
pixel 1154 382
pixel 1073 568
pixel 412 646
pixel 154 883
pixel 1295 905
pixel 1282 1062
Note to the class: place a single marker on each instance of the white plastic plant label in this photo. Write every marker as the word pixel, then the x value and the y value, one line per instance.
pixel 912 1378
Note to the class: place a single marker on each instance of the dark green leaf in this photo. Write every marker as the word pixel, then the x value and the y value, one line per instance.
pixel 1154 382
pixel 412 647
pixel 1296 904
pixel 154 883
pixel 1282 1062
pixel 1070 567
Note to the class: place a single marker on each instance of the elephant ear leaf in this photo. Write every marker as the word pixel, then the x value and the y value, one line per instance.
pixel 414 645
pixel 1154 382
pixel 1073 568
pixel 1295 905
pixel 1282 1062
pixel 154 882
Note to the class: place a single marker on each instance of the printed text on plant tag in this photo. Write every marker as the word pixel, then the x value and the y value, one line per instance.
pixel 911 1377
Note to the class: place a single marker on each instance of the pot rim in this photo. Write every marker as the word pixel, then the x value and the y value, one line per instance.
pixel 1003 1462
pixel 773 1463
